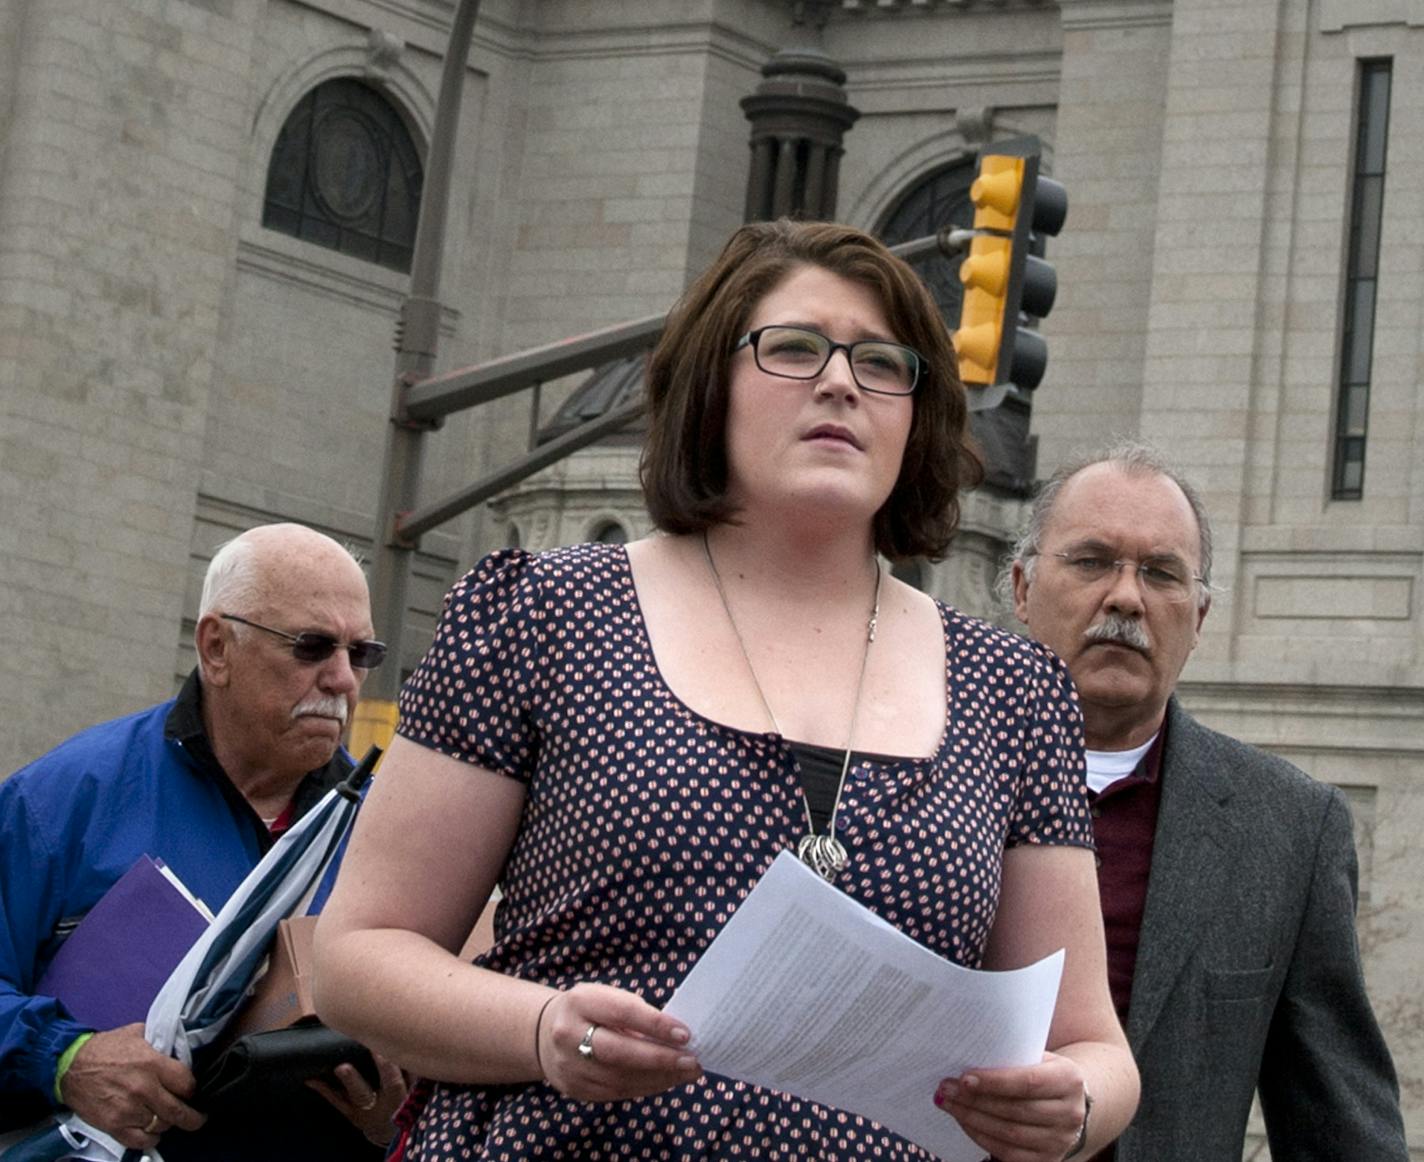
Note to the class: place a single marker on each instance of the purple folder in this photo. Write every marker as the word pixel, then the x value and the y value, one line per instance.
pixel 118 957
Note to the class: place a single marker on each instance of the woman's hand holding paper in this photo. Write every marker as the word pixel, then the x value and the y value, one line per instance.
pixel 1032 1114
pixel 597 1043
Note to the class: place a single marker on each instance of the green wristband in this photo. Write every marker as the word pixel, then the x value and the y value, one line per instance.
pixel 66 1059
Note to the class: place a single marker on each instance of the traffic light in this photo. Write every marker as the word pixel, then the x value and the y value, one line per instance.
pixel 1005 285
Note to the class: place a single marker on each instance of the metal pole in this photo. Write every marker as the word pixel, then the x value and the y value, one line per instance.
pixel 535 394
pixel 417 338
pixel 424 519
pixel 468 387
pixel 948 242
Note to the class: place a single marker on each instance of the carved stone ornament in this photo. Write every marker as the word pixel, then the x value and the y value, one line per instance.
pixel 975 124
pixel 383 49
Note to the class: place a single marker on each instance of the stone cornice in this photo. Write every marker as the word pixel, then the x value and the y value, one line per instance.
pixel 883 7
pixel 1294 697
pixel 1384 722
pixel 338 277
pixel 426 23
pixel 1089 15
pixel 945 73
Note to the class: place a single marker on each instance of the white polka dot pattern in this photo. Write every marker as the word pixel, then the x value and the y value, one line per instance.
pixel 646 824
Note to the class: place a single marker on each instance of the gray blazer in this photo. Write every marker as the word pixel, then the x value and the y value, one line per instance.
pixel 1248 970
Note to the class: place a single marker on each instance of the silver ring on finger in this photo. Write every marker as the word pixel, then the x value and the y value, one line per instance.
pixel 152 1125
pixel 585 1047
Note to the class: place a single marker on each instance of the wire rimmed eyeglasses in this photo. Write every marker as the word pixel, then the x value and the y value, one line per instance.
pixel 876 365
pixel 1166 577
pixel 314 648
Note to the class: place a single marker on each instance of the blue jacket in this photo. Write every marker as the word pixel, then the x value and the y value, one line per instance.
pixel 76 819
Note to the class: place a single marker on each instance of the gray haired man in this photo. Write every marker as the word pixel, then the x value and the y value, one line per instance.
pixel 204 782
pixel 1227 876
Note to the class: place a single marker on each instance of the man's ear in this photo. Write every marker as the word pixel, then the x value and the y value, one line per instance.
pixel 1202 611
pixel 214 641
pixel 1020 582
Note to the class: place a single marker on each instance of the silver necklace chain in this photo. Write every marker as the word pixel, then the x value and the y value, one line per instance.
pixel 824 853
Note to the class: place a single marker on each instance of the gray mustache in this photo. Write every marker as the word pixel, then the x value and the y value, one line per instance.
pixel 1119 630
pixel 322 706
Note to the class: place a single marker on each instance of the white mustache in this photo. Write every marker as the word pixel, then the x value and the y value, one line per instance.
pixel 1120 630
pixel 321 706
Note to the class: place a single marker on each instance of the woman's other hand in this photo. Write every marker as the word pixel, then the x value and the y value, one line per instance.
pixel 1032 1114
pixel 635 1049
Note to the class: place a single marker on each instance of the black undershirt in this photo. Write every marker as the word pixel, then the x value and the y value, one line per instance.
pixel 821 776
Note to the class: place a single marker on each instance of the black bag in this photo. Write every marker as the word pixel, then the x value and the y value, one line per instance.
pixel 259 1067
pixel 27 1110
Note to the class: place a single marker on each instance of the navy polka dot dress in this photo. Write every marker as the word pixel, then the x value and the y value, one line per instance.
pixel 646 824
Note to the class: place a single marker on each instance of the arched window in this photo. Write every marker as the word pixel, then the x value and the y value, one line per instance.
pixel 936 201
pixel 345 174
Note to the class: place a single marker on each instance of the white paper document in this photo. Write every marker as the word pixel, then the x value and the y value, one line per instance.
pixel 809 992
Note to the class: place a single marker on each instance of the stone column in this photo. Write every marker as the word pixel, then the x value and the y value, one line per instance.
pixel 799 115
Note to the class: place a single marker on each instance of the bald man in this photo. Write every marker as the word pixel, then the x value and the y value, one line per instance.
pixel 204 782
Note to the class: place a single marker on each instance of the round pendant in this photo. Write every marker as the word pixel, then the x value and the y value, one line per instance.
pixel 824 855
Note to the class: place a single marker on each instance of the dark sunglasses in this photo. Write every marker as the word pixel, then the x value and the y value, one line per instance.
pixel 317 647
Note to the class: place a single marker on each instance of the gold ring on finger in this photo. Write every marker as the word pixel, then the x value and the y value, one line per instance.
pixel 369 1103
pixel 152 1126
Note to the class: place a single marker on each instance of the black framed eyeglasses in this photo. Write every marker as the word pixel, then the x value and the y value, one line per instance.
pixel 800 353
pixel 314 648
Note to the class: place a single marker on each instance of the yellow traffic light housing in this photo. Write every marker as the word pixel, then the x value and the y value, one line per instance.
pixel 996 192
pixel 985 275
pixel 1002 281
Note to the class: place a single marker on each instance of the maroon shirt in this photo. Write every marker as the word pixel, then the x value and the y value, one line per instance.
pixel 1124 826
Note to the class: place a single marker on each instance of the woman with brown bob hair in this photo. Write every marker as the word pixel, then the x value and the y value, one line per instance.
pixel 684 467
pixel 625 737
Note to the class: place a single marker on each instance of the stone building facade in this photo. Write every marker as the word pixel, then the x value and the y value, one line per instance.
pixel 172 371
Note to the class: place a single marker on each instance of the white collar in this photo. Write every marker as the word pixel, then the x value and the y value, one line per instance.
pixel 1106 767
